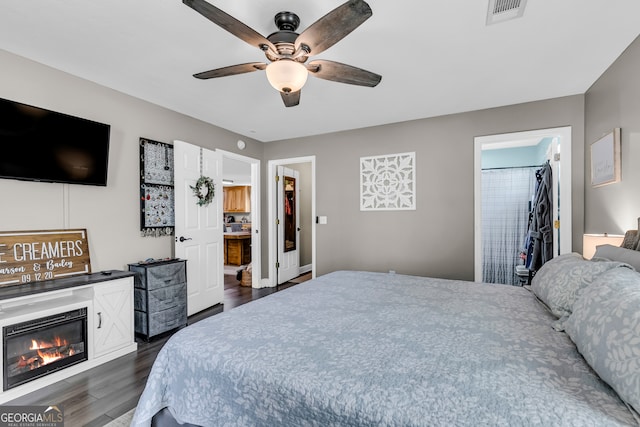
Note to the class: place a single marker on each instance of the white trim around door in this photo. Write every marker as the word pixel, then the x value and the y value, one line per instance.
pixel 256 240
pixel 272 165
pixel 513 140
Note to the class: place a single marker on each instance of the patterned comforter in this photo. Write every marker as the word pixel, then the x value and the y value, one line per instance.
pixel 374 349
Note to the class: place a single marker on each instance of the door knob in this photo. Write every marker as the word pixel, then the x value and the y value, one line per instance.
pixel 183 239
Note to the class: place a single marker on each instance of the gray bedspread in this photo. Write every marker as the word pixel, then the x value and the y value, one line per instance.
pixel 373 349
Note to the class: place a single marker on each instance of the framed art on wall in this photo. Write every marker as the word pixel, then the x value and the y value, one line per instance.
pixel 156 189
pixel 388 183
pixel 606 159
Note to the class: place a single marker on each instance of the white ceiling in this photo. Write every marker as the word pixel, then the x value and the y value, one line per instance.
pixel 436 57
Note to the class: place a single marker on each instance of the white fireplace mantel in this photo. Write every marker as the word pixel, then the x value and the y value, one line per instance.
pixel 110 328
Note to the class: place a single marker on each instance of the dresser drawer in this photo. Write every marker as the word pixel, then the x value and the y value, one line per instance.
pixel 160 299
pixel 162 321
pixel 159 276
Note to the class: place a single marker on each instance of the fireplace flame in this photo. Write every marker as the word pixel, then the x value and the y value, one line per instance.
pixel 51 351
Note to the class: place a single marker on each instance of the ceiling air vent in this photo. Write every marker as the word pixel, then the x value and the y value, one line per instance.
pixel 503 10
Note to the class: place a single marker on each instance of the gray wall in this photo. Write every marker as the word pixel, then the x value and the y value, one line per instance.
pixel 614 101
pixel 110 214
pixel 437 238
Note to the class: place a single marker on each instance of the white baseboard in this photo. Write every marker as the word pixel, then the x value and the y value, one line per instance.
pixel 268 283
pixel 305 269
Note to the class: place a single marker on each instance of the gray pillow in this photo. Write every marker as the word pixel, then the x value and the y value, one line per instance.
pixel 560 281
pixel 605 326
pixel 616 253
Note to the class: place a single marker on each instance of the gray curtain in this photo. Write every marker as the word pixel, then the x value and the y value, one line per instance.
pixel 505 212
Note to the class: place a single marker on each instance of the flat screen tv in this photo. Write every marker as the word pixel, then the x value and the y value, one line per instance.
pixel 42 145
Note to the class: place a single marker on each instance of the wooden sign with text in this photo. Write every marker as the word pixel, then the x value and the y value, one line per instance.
pixel 34 256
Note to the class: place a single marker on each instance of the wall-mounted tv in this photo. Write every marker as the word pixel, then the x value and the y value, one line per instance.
pixel 43 145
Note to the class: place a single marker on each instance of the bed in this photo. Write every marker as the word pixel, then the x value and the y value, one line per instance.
pixel 361 349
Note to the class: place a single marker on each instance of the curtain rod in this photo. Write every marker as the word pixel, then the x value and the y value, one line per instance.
pixel 513 167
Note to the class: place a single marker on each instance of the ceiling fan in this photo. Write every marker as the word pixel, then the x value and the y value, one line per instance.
pixel 288 51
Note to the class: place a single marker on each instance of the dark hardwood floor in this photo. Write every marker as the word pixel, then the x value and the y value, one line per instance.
pixel 99 395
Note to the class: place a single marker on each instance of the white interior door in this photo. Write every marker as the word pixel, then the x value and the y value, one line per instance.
pixel 288 195
pixel 198 229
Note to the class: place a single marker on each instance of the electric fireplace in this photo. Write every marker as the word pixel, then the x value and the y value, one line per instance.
pixel 39 347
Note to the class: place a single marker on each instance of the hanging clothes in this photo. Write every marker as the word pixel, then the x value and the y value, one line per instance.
pixel 539 241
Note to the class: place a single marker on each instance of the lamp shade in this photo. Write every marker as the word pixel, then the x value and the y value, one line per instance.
pixel 591 241
pixel 287 75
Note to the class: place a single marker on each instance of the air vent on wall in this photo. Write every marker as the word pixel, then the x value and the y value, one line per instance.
pixel 503 10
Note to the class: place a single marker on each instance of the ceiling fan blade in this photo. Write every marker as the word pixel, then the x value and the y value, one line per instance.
pixel 290 99
pixel 334 26
pixel 230 24
pixel 231 70
pixel 343 73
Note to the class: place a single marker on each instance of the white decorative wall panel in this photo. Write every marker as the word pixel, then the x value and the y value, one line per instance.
pixel 388 182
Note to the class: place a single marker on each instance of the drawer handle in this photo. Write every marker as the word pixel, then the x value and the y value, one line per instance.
pixel 99 319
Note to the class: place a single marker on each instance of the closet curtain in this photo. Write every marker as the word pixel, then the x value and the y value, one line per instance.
pixel 506 194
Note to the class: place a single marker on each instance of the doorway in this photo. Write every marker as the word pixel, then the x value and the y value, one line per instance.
pixel 559 141
pixel 288 222
pixel 305 166
pixel 242 223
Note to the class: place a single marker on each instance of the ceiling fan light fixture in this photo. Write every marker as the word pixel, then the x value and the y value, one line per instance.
pixel 286 75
